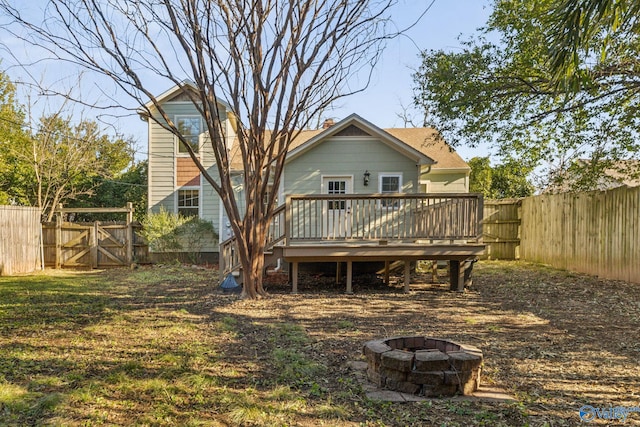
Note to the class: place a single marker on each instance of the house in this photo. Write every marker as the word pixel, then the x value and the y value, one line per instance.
pixel 583 175
pixel 348 157
pixel 333 159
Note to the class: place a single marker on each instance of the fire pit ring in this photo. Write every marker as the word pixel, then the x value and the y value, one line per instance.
pixel 423 366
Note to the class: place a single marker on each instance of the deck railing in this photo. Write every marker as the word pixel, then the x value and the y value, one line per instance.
pixel 399 217
pixel 353 217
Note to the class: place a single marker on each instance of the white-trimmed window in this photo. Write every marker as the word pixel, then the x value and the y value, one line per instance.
pixel 338 186
pixel 190 128
pixel 189 202
pixel 390 183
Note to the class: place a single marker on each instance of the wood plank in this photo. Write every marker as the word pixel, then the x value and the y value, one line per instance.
pixel 353 252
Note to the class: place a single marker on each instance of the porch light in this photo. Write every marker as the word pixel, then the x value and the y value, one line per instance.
pixel 366 177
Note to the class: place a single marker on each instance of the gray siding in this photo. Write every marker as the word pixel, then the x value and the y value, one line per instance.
pixel 162 171
pixel 348 156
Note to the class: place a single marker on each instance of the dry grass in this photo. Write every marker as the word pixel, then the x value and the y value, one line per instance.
pixel 160 346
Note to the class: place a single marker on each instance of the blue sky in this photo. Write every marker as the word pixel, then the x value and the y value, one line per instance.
pixel 391 86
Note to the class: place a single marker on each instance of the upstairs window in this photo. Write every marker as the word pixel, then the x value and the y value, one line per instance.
pixel 189 203
pixel 190 128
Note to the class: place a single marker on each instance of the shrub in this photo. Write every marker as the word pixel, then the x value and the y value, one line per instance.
pixel 169 232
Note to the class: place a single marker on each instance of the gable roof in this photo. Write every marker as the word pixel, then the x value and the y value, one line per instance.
pixel 355 125
pixel 175 91
pixel 431 143
pixel 424 145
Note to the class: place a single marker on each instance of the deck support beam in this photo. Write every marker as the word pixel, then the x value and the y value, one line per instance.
pixel 407 275
pixel 386 273
pixel 349 276
pixel 294 277
pixel 456 273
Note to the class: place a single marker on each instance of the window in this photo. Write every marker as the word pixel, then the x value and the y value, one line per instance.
pixel 190 128
pixel 336 187
pixel 390 183
pixel 270 190
pixel 188 202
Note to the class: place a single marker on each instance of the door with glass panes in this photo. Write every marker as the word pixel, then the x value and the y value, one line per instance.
pixel 337 213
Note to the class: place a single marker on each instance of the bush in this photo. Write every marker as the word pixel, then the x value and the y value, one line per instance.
pixel 169 232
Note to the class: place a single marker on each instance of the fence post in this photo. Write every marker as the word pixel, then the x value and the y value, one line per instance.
pixel 93 243
pixel 129 233
pixel 58 234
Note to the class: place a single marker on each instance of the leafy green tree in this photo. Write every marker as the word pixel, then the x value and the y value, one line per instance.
pixel 589 38
pixel 60 161
pixel 480 176
pixel 509 179
pixel 117 191
pixel 504 93
pixel 506 180
pixel 11 134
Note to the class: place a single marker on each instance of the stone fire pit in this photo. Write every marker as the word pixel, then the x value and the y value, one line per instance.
pixel 424 366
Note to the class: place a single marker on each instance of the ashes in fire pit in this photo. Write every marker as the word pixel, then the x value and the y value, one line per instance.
pixel 424 366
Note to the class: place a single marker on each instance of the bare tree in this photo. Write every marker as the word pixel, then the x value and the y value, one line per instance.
pixel 277 63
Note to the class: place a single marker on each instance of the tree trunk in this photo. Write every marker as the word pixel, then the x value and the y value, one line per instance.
pixel 253 262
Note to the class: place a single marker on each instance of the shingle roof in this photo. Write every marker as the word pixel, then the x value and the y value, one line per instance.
pixel 425 140
pixel 429 142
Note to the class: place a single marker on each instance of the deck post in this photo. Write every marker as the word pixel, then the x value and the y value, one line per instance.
pixel 349 276
pixel 338 272
pixel 456 276
pixel 407 275
pixel 386 273
pixel 294 278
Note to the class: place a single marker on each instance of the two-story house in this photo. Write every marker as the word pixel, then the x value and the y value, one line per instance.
pixel 349 157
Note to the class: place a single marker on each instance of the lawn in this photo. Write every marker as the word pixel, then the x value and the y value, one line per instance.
pixel 159 346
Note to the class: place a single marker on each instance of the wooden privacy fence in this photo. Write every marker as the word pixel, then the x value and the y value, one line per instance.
pixel 596 233
pixel 20 250
pixel 501 228
pixel 93 245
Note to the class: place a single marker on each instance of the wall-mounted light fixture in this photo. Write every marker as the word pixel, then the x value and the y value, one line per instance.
pixel 367 175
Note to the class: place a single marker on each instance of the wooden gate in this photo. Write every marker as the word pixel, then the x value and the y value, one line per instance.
pixel 501 228
pixel 92 245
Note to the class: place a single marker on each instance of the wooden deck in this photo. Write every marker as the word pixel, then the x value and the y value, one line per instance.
pixel 377 227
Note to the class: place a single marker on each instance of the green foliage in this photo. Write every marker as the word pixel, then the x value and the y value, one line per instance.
pixel 170 232
pixel 480 176
pixel 61 161
pixel 591 29
pixel 503 93
pixel 129 186
pixel 506 180
pixel 11 135
pixel 160 231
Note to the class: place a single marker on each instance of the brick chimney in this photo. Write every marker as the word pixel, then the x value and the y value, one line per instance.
pixel 328 123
